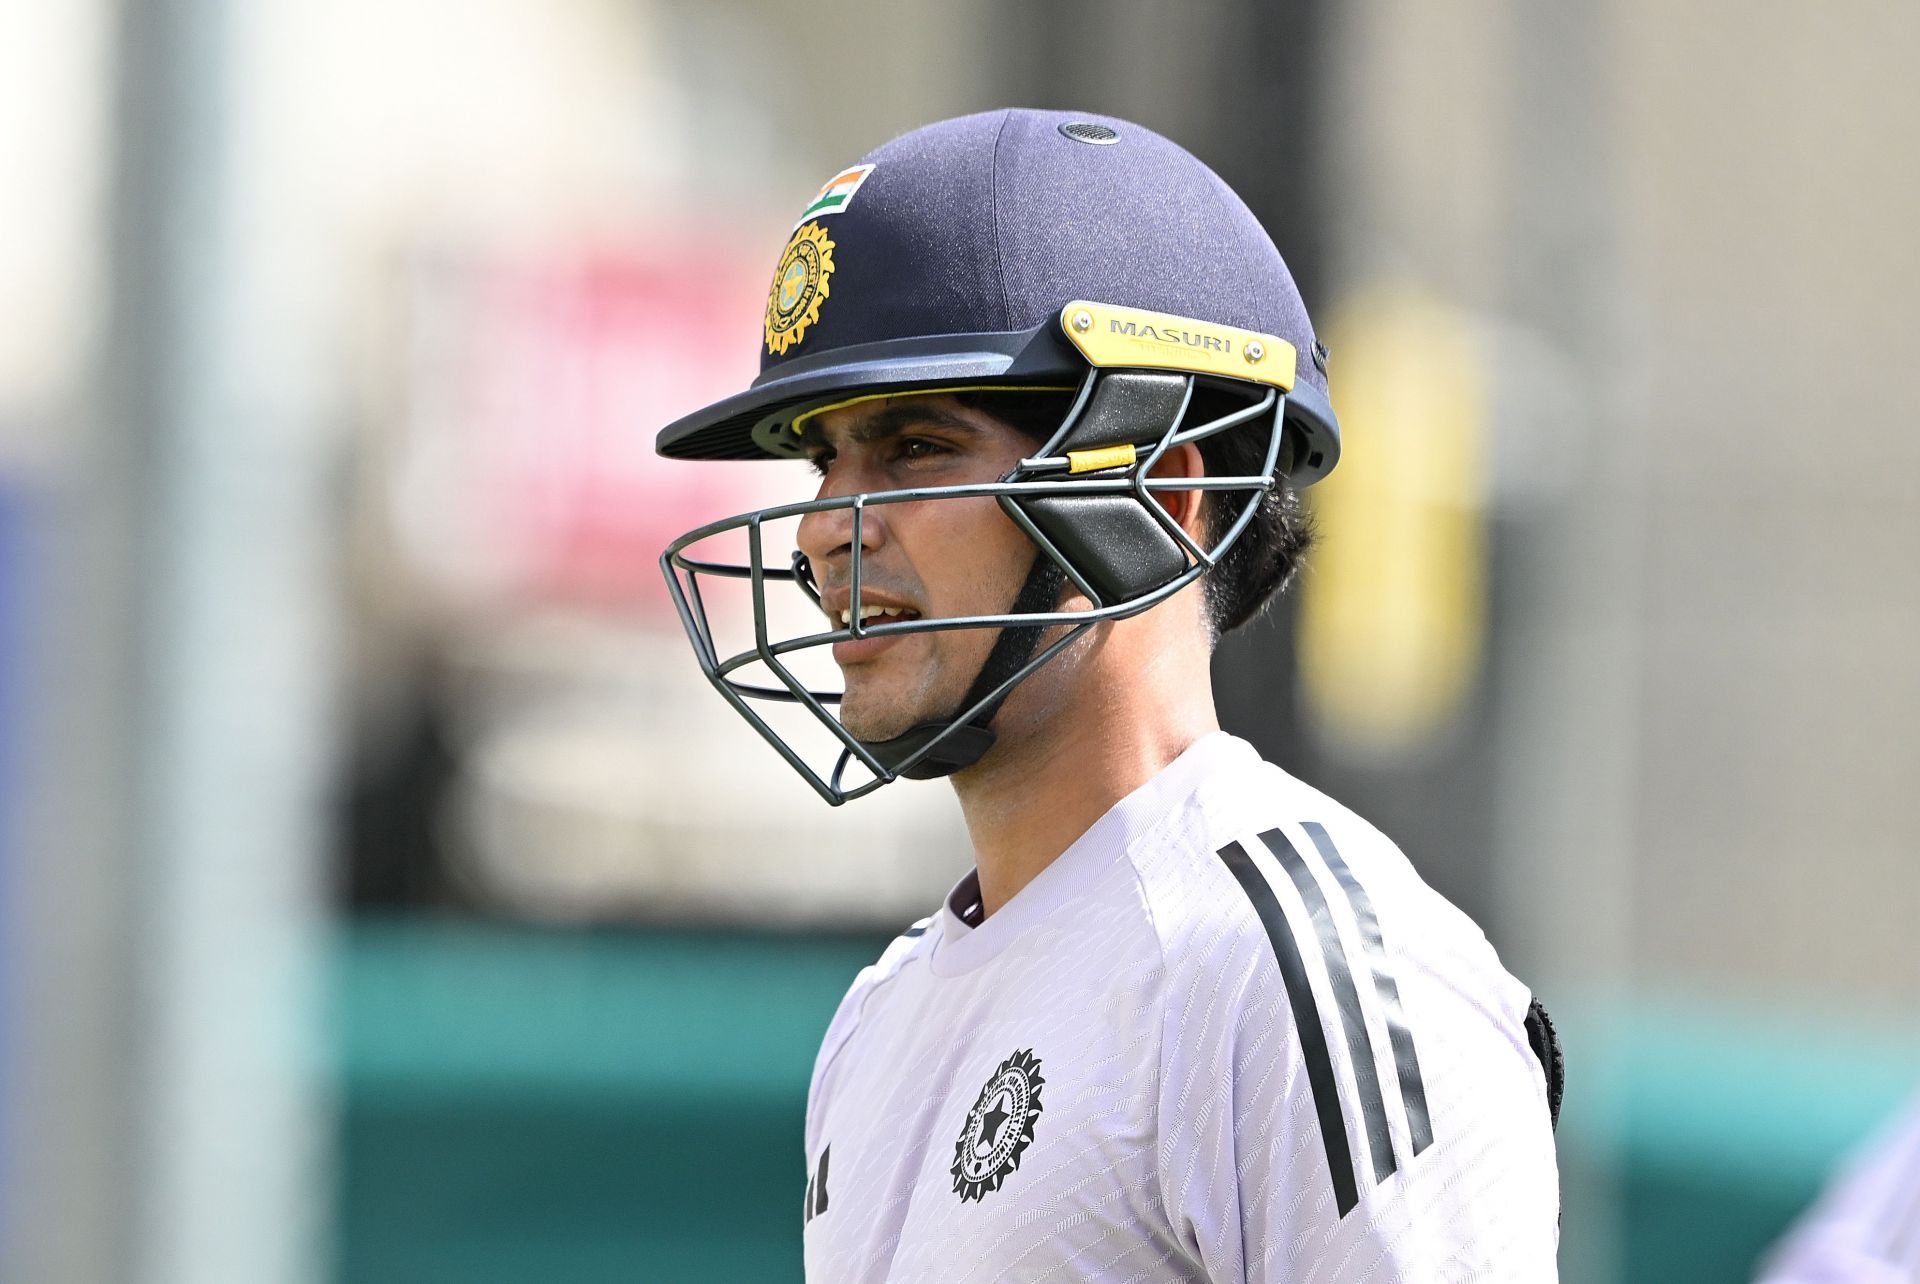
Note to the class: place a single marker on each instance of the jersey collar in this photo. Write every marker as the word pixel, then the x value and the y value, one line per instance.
pixel 963 947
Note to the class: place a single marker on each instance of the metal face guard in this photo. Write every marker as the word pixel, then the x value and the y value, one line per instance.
pixel 1085 502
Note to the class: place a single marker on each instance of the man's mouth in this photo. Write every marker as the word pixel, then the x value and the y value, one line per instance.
pixel 862 649
pixel 845 618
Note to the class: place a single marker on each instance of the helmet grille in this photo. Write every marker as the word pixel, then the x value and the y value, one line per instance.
pixel 1086 131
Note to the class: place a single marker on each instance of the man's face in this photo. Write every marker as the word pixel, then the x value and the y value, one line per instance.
pixel 930 559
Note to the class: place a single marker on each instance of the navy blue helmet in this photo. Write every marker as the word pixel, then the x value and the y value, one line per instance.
pixel 1014 250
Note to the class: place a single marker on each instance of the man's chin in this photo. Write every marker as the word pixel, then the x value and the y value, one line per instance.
pixel 873 717
pixel 875 726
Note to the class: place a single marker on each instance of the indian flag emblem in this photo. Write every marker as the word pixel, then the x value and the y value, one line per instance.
pixel 837 194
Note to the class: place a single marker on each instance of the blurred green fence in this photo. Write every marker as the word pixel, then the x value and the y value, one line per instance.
pixel 524 1105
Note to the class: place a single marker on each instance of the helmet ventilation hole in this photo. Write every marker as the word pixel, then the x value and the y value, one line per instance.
pixel 1086 131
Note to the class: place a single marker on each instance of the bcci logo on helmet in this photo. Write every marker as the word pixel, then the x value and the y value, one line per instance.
pixel 999 1128
pixel 799 287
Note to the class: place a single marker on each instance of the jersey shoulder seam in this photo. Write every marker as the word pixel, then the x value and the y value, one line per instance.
pixel 1154 834
pixel 868 988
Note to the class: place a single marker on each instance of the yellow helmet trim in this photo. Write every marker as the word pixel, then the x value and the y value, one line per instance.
pixel 799 421
pixel 1100 458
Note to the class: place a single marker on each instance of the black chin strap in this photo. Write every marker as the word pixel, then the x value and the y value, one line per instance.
pixel 1012 649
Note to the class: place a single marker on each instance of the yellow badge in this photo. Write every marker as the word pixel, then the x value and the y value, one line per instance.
pixel 799 288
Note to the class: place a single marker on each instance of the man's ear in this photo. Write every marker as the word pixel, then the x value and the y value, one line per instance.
pixel 1187 507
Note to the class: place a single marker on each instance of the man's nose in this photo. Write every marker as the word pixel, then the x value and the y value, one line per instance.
pixel 827 534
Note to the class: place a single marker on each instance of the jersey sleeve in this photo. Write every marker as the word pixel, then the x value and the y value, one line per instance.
pixel 1229 1135
pixel 846 1020
pixel 1332 1111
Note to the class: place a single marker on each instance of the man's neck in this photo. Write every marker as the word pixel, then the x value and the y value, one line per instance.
pixel 1033 796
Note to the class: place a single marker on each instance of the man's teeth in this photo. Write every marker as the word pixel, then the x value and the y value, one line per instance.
pixel 868 612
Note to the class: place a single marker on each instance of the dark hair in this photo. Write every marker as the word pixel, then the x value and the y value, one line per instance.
pixel 1259 565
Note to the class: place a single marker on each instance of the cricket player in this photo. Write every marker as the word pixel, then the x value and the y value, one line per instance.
pixel 1187 1018
pixel 1866 1228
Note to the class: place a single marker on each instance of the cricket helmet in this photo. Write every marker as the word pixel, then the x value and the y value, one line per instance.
pixel 1015 250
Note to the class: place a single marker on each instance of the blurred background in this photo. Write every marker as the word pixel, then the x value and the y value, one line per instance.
pixel 384 896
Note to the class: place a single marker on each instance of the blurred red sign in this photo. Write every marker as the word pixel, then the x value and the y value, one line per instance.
pixel 535 391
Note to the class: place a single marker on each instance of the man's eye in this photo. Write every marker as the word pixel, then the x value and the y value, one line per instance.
pixel 920 448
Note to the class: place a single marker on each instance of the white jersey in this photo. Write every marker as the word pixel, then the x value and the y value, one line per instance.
pixel 1228 1035
pixel 1866 1228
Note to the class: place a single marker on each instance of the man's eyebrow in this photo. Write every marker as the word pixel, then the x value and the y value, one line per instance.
pixel 894 420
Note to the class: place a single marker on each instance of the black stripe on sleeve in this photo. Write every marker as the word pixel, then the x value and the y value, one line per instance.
pixel 1413 1091
pixel 1366 1073
pixel 1306 1020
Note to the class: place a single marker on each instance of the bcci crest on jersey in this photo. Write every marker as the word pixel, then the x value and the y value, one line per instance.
pixel 999 1128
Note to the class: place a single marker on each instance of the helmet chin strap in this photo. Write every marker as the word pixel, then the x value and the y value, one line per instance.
pixel 1012 649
